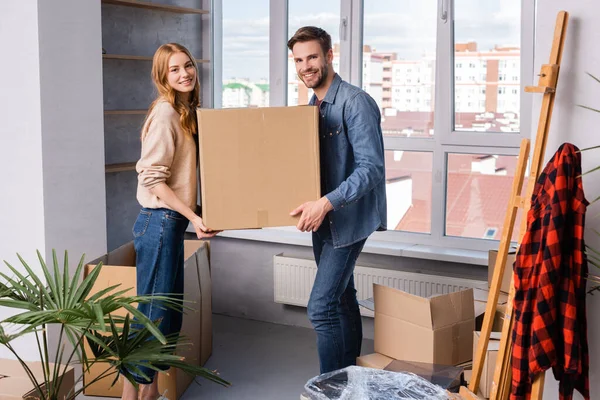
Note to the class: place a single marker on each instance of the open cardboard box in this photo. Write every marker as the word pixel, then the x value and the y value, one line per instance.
pixel 437 329
pixel 119 268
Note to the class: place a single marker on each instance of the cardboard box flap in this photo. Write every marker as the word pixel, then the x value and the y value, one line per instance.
pixel 123 256
pixel 374 360
pixel 401 305
pixel 451 308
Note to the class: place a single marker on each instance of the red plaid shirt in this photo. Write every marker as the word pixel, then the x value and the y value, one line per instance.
pixel 550 329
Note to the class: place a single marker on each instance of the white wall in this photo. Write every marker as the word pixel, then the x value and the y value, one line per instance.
pixel 575 125
pixel 72 126
pixel 51 136
pixel 22 216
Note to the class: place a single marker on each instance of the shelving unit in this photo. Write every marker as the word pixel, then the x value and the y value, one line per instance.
pixel 131 32
pixel 120 167
pixel 156 6
pixel 150 6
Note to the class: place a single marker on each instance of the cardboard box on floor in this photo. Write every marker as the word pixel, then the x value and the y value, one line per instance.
pixel 257 165
pixel 508 270
pixel 16 385
pixel 489 365
pixel 436 330
pixel 119 268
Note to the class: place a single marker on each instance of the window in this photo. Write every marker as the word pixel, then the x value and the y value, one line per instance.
pixel 477 193
pixel 408 189
pixel 451 137
pixel 299 15
pixel 245 66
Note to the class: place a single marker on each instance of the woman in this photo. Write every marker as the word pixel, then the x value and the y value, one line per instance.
pixel 167 192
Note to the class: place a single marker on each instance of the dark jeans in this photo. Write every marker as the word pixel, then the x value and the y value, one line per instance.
pixel 158 240
pixel 333 307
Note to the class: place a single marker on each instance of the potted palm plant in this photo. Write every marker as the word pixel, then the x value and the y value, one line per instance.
pixel 56 298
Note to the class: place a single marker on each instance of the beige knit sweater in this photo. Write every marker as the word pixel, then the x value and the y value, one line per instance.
pixel 168 155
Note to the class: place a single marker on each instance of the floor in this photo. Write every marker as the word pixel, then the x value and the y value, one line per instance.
pixel 262 361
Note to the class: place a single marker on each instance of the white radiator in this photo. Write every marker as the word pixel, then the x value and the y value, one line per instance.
pixel 294 278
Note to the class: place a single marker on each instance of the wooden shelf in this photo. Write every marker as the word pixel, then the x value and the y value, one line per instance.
pixel 156 6
pixel 141 58
pixel 125 112
pixel 121 167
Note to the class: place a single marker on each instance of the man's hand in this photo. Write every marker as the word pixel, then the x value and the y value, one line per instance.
pixel 202 231
pixel 313 213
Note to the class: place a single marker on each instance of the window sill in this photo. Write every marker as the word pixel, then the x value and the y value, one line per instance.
pixel 382 247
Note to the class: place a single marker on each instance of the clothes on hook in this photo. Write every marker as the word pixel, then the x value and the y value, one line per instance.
pixel 550 329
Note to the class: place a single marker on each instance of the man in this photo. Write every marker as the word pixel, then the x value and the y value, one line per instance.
pixel 354 203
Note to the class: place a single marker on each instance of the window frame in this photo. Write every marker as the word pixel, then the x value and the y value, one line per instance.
pixel 445 141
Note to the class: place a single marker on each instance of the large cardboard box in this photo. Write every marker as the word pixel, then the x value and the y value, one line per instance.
pixel 119 268
pixel 508 269
pixel 489 365
pixel 257 165
pixel 16 385
pixel 436 329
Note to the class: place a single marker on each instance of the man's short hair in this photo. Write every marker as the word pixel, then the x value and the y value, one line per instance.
pixel 308 33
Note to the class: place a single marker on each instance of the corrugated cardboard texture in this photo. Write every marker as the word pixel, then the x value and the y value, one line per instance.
pixel 489 365
pixel 194 326
pixel 257 165
pixel 16 385
pixel 508 270
pixel 432 330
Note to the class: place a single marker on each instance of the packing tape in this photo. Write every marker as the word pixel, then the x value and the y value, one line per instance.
pixel 262 218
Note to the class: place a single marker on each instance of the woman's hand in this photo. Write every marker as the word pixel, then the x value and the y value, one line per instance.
pixel 202 231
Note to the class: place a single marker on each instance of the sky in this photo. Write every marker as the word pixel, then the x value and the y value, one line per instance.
pixel 407 27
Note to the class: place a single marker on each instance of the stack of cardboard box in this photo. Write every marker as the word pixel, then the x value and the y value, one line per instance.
pixel 421 335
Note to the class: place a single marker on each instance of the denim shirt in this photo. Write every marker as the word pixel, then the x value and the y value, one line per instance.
pixel 352 162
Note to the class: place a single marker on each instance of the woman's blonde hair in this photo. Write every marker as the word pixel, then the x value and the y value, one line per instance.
pixel 160 70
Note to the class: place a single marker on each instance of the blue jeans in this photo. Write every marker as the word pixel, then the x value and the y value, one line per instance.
pixel 332 307
pixel 158 241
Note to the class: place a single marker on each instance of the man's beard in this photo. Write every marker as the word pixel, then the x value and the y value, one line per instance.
pixel 324 71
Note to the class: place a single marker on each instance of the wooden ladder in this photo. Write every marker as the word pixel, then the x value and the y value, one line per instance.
pixel 501 385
